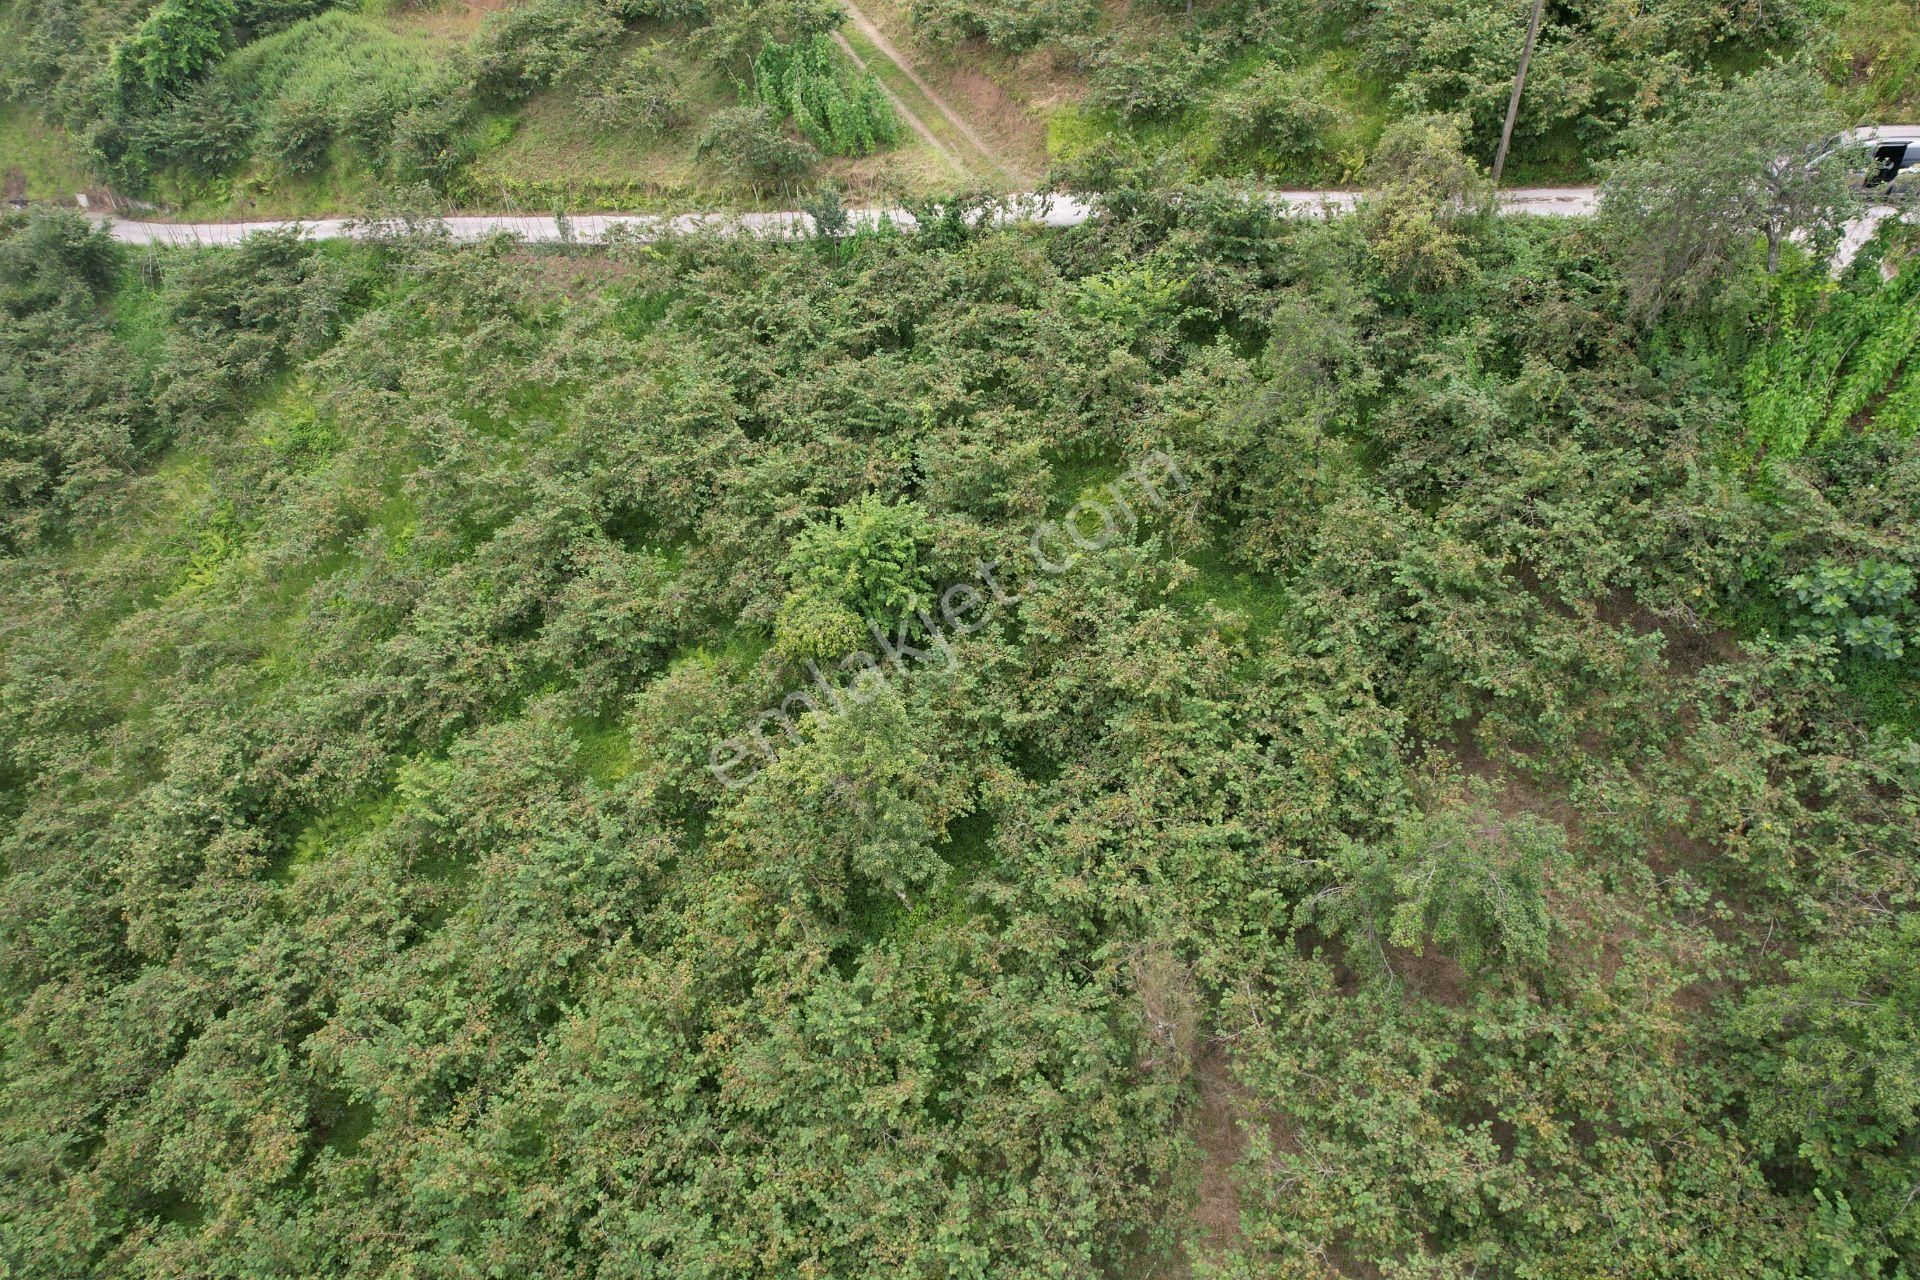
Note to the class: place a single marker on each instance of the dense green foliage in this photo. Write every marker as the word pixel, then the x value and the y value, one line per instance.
pixel 177 41
pixel 335 77
pixel 863 563
pixel 1834 351
pixel 748 142
pixel 189 94
pixel 74 412
pixel 1749 160
pixel 1436 840
pixel 1301 90
pixel 842 110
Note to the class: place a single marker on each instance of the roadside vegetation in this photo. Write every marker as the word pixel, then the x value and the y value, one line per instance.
pixel 302 108
pixel 1432 789
pixel 274 107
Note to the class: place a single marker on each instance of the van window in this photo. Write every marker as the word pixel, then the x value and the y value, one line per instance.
pixel 1888 160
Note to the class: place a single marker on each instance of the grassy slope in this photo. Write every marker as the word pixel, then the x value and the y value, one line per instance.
pixel 47 159
pixel 398 46
pixel 543 155
pixel 548 155
pixel 1878 59
pixel 537 156
pixel 1033 103
pixel 1007 99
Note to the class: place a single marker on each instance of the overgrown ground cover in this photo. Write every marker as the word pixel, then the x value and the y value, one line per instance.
pixel 1466 826
pixel 220 109
pixel 40 164
pixel 1299 92
pixel 231 108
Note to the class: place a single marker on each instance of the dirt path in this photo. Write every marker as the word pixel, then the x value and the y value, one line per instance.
pixel 907 113
pixel 877 38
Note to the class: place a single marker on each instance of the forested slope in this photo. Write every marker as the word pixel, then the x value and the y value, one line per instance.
pixel 1437 797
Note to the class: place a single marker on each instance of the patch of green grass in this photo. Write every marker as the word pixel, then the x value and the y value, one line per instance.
pixel 1075 130
pixel 162 504
pixel 1875 63
pixel 177 1211
pixel 1081 478
pixel 343 185
pixel 332 58
pixel 47 160
pixel 351 1127
pixel 320 837
pixel 1889 692
pixel 1194 139
pixel 968 852
pixel 968 849
pixel 876 915
pixel 1258 599
pixel 553 157
pixel 1357 102
pixel 637 311
pixel 606 749
pixel 139 316
pixel 1072 131
pixel 739 649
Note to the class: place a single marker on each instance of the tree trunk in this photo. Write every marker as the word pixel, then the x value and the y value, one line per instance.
pixel 1519 83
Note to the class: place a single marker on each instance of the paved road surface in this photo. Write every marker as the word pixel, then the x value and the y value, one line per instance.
pixel 1052 211
pixel 1858 232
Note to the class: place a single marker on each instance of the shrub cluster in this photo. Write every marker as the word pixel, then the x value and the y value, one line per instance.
pixel 1254 81
pixel 195 88
pixel 749 144
pixel 840 109
pixel 1414 835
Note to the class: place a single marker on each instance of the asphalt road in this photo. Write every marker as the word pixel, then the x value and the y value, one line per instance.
pixel 1052 211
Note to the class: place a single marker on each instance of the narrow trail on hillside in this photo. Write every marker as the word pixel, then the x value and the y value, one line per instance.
pixel 877 38
pixel 907 113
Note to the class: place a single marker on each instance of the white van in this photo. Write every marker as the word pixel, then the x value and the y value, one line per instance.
pixel 1885 150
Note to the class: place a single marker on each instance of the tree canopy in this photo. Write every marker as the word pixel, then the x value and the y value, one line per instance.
pixel 1467 825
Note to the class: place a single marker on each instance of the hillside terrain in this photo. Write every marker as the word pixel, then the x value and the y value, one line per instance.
pixel 1368 737
pixel 308 109
pixel 1198 745
pixel 266 108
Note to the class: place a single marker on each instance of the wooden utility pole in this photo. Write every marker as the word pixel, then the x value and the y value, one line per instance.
pixel 1519 83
